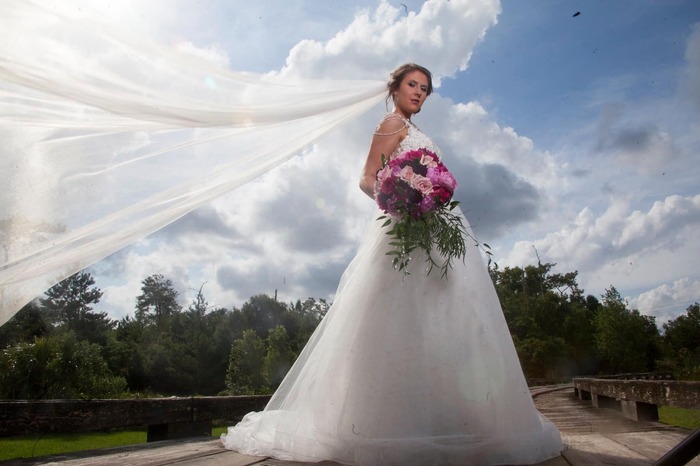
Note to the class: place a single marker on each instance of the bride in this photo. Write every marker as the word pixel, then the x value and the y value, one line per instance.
pixel 404 370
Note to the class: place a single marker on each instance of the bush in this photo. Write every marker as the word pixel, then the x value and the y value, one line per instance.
pixel 57 367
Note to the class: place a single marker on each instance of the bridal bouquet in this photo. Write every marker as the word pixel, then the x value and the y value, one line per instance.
pixel 415 191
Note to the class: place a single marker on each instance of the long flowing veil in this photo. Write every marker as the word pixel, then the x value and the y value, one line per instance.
pixel 108 136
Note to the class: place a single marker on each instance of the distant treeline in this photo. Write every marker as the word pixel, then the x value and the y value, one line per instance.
pixel 62 346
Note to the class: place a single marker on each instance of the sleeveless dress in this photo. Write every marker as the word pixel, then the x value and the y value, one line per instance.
pixel 404 370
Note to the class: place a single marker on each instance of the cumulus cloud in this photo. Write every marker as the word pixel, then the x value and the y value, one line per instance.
pixel 440 36
pixel 623 248
pixel 668 301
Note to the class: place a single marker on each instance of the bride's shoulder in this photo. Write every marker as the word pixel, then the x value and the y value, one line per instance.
pixel 392 123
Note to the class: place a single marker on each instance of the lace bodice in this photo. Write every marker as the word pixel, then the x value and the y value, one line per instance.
pixel 415 139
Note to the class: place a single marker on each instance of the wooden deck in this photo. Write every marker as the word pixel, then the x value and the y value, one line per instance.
pixel 591 437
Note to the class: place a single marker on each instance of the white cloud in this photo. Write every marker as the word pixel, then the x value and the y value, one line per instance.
pixel 668 301
pixel 631 250
pixel 441 36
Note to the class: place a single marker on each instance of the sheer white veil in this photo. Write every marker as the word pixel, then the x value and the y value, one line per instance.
pixel 94 158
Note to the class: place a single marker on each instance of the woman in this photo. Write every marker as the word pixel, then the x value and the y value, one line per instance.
pixel 404 370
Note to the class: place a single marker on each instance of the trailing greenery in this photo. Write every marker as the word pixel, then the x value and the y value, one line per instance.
pixel 441 231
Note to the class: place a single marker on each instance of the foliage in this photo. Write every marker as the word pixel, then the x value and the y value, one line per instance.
pixel 279 356
pixel 157 301
pixel 49 350
pixel 57 367
pixel 262 313
pixel 245 373
pixel 682 343
pixel 70 303
pixel 442 231
pixel 626 341
pixel 549 320
pixel 29 323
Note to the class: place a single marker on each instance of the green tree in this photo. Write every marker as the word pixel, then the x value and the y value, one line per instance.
pixel 245 374
pixel 262 313
pixel 626 340
pixel 303 319
pixel 71 300
pixel 548 319
pixel 157 301
pixel 681 341
pixel 29 323
pixel 58 366
pixel 279 356
pixel 196 336
pixel 125 353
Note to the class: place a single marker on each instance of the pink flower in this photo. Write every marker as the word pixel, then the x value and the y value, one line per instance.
pixel 407 173
pixel 422 184
pixel 445 179
pixel 383 173
pixel 428 160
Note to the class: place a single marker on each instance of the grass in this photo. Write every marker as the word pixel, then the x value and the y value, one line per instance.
pixel 687 418
pixel 55 444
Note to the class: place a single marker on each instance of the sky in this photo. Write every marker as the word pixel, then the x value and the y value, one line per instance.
pixel 573 128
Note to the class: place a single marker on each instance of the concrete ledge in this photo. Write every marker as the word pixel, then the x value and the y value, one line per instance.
pixel 164 417
pixel 638 399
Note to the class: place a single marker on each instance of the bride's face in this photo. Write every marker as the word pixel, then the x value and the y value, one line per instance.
pixel 411 94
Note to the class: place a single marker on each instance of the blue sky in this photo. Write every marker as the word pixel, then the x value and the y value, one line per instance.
pixel 575 136
pixel 538 66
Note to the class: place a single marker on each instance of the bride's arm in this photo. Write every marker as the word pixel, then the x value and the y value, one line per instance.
pixel 385 140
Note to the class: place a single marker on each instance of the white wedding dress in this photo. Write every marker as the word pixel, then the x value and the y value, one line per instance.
pixel 414 370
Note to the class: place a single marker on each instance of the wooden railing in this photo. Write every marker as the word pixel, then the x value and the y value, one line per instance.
pixel 165 418
pixel 637 399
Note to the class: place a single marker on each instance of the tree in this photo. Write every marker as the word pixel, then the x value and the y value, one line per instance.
pixel 279 356
pixel 548 319
pixel 157 301
pixel 71 300
pixel 58 366
pixel 304 318
pixel 626 340
pixel 125 354
pixel 29 323
pixel 245 372
pixel 196 339
pixel 262 313
pixel 682 343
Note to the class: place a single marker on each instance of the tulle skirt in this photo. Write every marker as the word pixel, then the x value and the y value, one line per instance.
pixel 404 370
